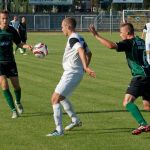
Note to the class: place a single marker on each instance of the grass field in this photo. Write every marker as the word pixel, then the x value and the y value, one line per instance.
pixel 98 102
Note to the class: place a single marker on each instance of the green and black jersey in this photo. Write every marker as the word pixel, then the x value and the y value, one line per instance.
pixel 135 55
pixel 7 37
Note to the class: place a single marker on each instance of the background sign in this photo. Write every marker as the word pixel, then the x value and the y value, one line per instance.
pixel 127 1
pixel 51 2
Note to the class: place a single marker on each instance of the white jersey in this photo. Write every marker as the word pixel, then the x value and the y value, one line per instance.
pixel 147 31
pixel 71 59
pixel 15 24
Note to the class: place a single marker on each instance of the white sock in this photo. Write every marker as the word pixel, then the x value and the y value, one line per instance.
pixel 69 110
pixel 58 117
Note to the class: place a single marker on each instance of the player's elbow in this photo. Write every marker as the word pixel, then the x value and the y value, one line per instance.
pixel 111 45
pixel 89 54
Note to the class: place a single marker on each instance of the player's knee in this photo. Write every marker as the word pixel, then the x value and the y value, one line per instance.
pixel 125 102
pixel 147 107
pixel 55 98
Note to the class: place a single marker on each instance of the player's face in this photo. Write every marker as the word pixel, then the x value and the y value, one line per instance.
pixel 124 33
pixel 64 28
pixel 3 20
pixel 23 20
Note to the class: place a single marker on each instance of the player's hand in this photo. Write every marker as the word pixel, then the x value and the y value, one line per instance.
pixel 30 47
pixel 92 29
pixel 90 72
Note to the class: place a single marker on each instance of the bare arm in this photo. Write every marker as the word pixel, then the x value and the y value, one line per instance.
pixel 88 57
pixel 85 62
pixel 103 41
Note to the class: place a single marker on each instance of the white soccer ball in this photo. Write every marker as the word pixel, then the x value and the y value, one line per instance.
pixel 40 50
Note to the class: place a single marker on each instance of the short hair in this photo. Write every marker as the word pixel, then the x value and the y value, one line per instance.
pixel 4 12
pixel 71 21
pixel 129 26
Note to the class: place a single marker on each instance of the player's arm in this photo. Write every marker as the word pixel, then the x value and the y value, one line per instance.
pixel 27 46
pixel 88 57
pixel 103 41
pixel 85 62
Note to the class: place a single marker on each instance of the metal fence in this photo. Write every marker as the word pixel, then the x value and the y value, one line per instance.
pixel 47 22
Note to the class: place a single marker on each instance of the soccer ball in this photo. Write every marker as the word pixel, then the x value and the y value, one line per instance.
pixel 40 50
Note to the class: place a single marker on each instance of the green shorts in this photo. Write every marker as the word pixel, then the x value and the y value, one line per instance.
pixel 9 69
pixel 139 86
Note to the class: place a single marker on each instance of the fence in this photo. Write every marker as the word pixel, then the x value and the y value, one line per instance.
pixel 47 22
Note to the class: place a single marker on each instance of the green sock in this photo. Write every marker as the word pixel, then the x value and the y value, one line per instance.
pixel 9 99
pixel 133 109
pixel 18 95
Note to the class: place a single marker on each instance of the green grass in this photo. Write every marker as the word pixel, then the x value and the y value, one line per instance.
pixel 98 102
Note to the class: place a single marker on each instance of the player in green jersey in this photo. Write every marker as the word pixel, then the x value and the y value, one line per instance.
pixel 8 68
pixel 134 48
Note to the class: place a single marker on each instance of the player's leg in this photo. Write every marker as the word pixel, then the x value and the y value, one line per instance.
pixel 68 83
pixel 146 105
pixel 146 94
pixel 55 100
pixel 7 94
pixel 13 76
pixel 75 121
pixel 128 102
pixel 135 112
pixel 17 91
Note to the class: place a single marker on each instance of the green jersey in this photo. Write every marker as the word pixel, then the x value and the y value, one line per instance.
pixel 7 37
pixel 136 56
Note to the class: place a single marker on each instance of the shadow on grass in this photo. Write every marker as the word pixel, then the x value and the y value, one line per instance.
pixel 99 131
pixel 33 114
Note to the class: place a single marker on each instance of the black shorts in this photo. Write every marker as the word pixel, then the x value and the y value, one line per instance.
pixel 139 86
pixel 9 69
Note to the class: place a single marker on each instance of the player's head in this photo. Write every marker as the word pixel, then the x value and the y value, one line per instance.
pixel 68 25
pixel 126 31
pixel 4 15
pixel 15 17
pixel 23 19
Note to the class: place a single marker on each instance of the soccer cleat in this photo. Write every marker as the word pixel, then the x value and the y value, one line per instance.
pixel 14 114
pixel 19 108
pixel 141 129
pixel 72 125
pixel 55 133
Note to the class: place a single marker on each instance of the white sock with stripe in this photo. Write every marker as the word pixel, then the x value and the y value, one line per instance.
pixel 58 117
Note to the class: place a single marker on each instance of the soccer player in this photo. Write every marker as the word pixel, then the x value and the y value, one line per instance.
pixel 8 68
pixel 23 34
pixel 146 35
pixel 76 59
pixel 134 48
pixel 15 24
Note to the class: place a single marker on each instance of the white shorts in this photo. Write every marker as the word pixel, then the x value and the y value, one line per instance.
pixel 68 83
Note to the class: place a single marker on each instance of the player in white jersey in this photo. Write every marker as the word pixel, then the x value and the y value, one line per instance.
pixel 76 59
pixel 146 35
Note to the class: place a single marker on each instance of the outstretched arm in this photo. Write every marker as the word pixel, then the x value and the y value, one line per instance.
pixel 22 45
pixel 103 41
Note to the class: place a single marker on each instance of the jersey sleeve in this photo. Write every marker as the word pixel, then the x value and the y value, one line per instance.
pixel 145 29
pixel 74 42
pixel 124 45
